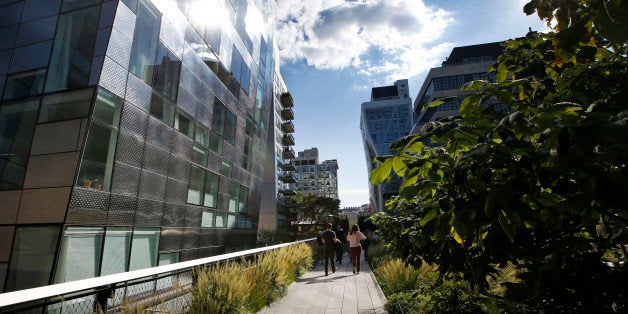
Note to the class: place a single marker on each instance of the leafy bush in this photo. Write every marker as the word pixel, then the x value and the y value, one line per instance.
pixel 452 296
pixel 402 303
pixel 396 276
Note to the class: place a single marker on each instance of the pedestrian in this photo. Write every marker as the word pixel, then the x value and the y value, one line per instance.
pixel 366 243
pixel 355 249
pixel 329 241
pixel 340 245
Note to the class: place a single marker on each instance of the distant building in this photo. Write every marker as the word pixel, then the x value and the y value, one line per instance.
pixel 384 119
pixel 464 64
pixel 316 178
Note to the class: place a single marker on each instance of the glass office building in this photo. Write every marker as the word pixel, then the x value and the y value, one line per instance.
pixel 384 119
pixel 133 133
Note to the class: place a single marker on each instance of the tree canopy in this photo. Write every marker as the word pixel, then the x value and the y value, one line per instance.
pixel 313 208
pixel 538 181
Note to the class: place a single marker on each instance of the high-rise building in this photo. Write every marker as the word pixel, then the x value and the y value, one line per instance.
pixel 133 133
pixel 464 64
pixel 384 119
pixel 312 177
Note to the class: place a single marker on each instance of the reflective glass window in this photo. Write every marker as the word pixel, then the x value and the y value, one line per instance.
pixel 17 124
pixel 80 254
pixel 162 109
pixel 3 274
pixel 201 135
pixel 195 186
pixel 215 142
pixel 68 5
pixel 168 258
pixel 166 73
pixel 221 220
pixel 144 248
pixel 71 59
pixel 210 191
pixel 226 168
pixel 199 155
pixel 32 257
pixel 234 196
pixel 98 155
pixel 184 123
pixel 25 84
pixel 231 221
pixel 145 41
pixel 66 105
pixel 116 251
pixel 107 108
pixel 207 220
pixel 224 122
pixel 244 198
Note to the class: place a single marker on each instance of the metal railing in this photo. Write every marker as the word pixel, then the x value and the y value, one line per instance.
pixel 148 287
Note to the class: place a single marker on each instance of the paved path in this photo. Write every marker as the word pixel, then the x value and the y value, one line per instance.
pixel 340 292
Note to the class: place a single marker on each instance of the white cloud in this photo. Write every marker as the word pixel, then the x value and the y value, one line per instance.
pixel 353 197
pixel 388 39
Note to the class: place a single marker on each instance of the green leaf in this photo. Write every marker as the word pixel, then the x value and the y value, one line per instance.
pixel 429 216
pixel 399 167
pixel 416 147
pixel 503 222
pixel 381 173
pixel 470 106
pixel 440 101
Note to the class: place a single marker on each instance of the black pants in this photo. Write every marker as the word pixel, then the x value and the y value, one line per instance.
pixel 329 256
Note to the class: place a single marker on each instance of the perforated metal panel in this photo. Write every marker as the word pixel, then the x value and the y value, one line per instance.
pixel 181 145
pixel 186 102
pixel 176 191
pixel 54 170
pixel 138 93
pixel 134 121
pixel 43 205
pixel 159 133
pixel 121 210
pixel 203 114
pixel 126 179
pixel 193 216
pixel 130 150
pixel 223 201
pixel 171 38
pixel 6 239
pixel 214 162
pixel 174 215
pixel 179 168
pixel 170 239
pixel 190 238
pixel 207 237
pixel 125 20
pixel 148 213
pixel 9 206
pixel 188 255
pixel 152 186
pixel 56 137
pixel 88 206
pixel 113 77
pixel 187 78
pixel 119 49
pixel 155 159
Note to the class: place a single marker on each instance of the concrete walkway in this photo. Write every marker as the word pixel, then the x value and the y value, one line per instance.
pixel 340 292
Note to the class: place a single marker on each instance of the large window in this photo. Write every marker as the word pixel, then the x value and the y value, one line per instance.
pixel 167 69
pixel 24 84
pixel 17 124
pixel 145 41
pixel 240 70
pixel 71 59
pixel 32 257
pixel 224 122
pixel 116 251
pixel 80 254
pixel 238 197
pixel 184 123
pixel 203 187
pixel 144 248
pixel 66 105
pixel 98 154
pixel 162 109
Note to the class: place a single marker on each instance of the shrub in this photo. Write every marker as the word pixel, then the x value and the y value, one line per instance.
pixel 220 289
pixel 395 276
pixel 402 303
pixel 452 296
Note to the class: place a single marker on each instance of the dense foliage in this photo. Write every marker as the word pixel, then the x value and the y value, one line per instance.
pixel 538 181
pixel 310 207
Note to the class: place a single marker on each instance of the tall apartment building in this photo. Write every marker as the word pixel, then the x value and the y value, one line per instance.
pixel 384 119
pixel 312 177
pixel 464 64
pixel 132 133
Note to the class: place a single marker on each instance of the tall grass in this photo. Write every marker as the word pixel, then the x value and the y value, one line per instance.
pixel 395 276
pixel 249 285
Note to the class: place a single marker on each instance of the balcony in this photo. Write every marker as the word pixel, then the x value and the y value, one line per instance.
pixel 288 153
pixel 287 114
pixel 288 166
pixel 287 140
pixel 287 192
pixel 286 100
pixel 287 127
pixel 287 177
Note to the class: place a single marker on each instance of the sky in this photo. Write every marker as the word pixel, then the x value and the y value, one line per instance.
pixel 334 51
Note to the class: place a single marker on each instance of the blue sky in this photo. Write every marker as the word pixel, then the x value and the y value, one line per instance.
pixel 333 52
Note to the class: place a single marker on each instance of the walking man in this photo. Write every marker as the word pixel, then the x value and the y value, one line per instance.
pixel 329 239
pixel 340 246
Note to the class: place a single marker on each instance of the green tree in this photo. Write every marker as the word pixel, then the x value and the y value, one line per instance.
pixel 540 182
pixel 309 207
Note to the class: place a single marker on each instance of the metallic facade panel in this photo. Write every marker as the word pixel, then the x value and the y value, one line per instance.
pixel 94 72
pixel 134 121
pixel 155 159
pixel 190 238
pixel 113 77
pixel 125 20
pixel 158 133
pixel 171 38
pixel 52 170
pixel 107 14
pixel 44 205
pixel 176 191
pixel 121 210
pixel 188 255
pixel 6 240
pixel 152 186
pixel 148 213
pixel 130 150
pixel 138 92
pixel 181 145
pixel 126 179
pixel 207 237
pixel 88 206
pixel 179 168
pixel 56 137
pixel 193 216
pixel 186 102
pixel 170 240
pixel 119 49
pixel 187 79
pixel 174 215
pixel 9 205
pixel 204 114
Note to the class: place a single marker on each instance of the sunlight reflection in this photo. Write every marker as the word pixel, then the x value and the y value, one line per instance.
pixel 207 12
